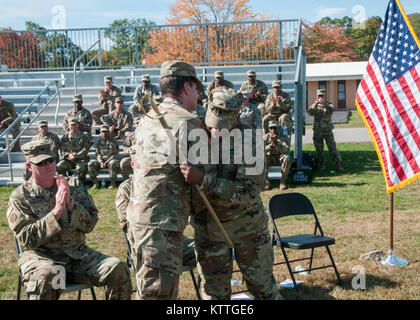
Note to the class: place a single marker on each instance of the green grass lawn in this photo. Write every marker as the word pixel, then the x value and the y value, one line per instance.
pixel 353 207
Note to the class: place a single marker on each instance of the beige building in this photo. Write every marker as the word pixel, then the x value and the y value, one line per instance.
pixel 339 79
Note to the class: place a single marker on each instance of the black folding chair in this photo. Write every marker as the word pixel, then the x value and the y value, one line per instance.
pixel 289 204
pixel 130 264
pixel 70 287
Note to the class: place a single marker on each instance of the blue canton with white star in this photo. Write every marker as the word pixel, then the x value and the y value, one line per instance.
pixel 395 50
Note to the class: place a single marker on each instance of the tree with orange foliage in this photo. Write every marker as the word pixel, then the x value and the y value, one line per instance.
pixel 326 43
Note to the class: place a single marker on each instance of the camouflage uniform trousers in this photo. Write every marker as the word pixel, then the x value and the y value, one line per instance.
pixel 328 136
pixel 285 120
pixel 81 167
pixel 98 113
pixel 94 167
pixel 282 160
pixel 254 255
pixel 126 167
pixel 158 261
pixel 93 269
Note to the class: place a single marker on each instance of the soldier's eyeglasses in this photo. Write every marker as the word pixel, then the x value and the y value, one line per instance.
pixel 43 163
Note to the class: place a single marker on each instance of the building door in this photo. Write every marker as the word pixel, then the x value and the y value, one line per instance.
pixel 341 94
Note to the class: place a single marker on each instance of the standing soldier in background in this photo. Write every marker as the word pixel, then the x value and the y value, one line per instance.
pixel 106 98
pixel 106 151
pixel 75 146
pixel 277 149
pixel 50 217
pixel 7 116
pixel 219 81
pixel 119 120
pixel 257 89
pixel 249 115
pixel 277 107
pixel 129 149
pixel 81 114
pixel 145 88
pixel 235 197
pixel 160 204
pixel 50 137
pixel 322 111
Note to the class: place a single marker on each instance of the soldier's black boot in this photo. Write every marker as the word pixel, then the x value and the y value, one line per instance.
pixel 338 167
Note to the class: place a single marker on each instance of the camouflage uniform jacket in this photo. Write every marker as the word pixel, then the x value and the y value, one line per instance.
pixel 215 84
pixel 250 116
pixel 121 120
pixel 322 116
pixel 30 217
pixel 282 105
pixel 161 198
pixel 106 150
pixel 83 116
pixel 258 86
pixel 235 197
pixel 79 143
pixel 7 113
pixel 141 91
pixel 130 143
pixel 53 139
pixel 108 102
pixel 281 147
pixel 122 199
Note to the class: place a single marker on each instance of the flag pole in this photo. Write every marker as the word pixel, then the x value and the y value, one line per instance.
pixel 391 221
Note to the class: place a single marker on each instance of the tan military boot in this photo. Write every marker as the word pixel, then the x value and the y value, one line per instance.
pixel 283 185
pixel 95 184
pixel 113 184
pixel 338 167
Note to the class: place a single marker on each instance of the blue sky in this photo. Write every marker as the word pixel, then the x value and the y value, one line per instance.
pixel 100 13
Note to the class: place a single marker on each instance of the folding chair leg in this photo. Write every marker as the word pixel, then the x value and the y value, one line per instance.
pixel 92 291
pixel 289 268
pixel 197 290
pixel 310 261
pixel 79 295
pixel 19 288
pixel 335 268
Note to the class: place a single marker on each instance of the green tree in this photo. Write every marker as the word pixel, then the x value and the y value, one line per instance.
pixel 365 36
pixel 128 37
pixel 415 22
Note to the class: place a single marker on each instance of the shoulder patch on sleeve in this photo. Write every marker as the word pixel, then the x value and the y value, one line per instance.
pixel 120 200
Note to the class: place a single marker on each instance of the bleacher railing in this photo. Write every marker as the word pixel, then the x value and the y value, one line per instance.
pixel 206 44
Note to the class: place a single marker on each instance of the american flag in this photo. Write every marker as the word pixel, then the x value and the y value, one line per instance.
pixel 388 98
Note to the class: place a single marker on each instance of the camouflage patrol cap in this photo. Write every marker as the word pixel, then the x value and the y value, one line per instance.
pixel 179 68
pixel 73 121
pixel 119 99
pixel 218 74
pixel 272 124
pixel 104 127
pixel 276 83
pixel 77 97
pixel 107 79
pixel 251 73
pixel 37 151
pixel 145 77
pixel 223 108
pixel 42 123
pixel 320 92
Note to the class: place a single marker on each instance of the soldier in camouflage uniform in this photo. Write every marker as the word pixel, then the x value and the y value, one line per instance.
pixel 53 140
pixel 106 98
pixel 277 148
pixel 158 210
pixel 219 81
pixel 129 149
pixel 119 120
pixel 235 197
pixel 257 89
pixel 141 90
pixel 107 151
pixel 75 146
pixel 82 114
pixel 322 111
pixel 277 107
pixel 249 115
pixel 50 216
pixel 7 116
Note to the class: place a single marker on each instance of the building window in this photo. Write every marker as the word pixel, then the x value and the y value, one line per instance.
pixel 341 94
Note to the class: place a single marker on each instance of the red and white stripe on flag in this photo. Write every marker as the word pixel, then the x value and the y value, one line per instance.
pixel 388 98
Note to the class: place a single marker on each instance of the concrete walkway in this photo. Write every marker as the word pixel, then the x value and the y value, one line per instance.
pixel 341 135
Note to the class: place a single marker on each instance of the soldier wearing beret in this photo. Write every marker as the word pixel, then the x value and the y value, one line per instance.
pixel 160 204
pixel 144 88
pixel 277 148
pixel 235 197
pixel 322 111
pixel 257 89
pixel 82 114
pixel 219 81
pixel 277 108
pixel 50 216
pixel 106 151
pixel 106 98
pixel 7 116
pixel 120 121
pixel 75 146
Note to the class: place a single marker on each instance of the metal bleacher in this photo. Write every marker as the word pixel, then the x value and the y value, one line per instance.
pixel 21 88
